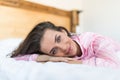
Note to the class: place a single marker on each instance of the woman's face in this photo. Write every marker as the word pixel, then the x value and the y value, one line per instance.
pixel 57 43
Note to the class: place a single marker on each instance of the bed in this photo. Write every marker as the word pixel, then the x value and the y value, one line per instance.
pixel 17 18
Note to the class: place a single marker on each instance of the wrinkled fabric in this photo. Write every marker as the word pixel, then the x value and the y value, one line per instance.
pixel 98 50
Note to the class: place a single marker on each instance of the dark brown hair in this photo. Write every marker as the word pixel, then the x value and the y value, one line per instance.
pixel 31 44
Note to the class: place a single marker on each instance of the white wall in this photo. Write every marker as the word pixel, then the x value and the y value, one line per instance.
pixel 62 4
pixel 101 16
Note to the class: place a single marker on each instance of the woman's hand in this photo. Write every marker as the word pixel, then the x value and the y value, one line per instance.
pixel 45 58
pixel 61 59
pixel 75 62
pixel 65 59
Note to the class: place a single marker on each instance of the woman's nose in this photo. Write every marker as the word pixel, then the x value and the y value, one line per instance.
pixel 61 47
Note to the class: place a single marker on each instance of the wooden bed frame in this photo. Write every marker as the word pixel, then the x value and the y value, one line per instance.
pixel 18 17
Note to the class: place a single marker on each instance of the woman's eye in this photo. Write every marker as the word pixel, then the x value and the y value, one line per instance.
pixel 54 51
pixel 59 39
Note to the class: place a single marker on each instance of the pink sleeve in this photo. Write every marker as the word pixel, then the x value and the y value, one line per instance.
pixel 30 57
pixel 105 51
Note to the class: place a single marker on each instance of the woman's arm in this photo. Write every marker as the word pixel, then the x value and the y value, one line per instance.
pixel 28 57
pixel 33 57
pixel 106 52
pixel 46 58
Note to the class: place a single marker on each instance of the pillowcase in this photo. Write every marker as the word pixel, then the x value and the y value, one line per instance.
pixel 8 45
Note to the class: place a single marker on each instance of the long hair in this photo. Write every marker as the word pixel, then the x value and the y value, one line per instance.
pixel 31 44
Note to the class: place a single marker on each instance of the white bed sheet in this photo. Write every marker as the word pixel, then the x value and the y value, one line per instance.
pixel 11 69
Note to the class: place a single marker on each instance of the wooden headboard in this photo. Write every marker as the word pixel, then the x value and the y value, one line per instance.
pixel 18 17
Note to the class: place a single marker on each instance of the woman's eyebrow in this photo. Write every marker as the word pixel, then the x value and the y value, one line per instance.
pixel 55 42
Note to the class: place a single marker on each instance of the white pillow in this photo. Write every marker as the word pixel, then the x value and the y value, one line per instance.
pixel 8 45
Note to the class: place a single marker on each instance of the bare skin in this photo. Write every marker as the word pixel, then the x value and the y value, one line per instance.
pixel 61 48
pixel 46 58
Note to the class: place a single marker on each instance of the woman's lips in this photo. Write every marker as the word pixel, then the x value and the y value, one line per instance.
pixel 68 50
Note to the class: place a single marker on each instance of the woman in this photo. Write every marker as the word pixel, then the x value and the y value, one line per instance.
pixel 47 42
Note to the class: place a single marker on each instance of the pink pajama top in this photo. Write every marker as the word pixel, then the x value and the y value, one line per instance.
pixel 97 50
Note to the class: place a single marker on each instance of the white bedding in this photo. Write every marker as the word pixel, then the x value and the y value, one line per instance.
pixel 23 70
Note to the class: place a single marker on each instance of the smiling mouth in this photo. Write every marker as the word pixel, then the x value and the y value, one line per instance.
pixel 68 50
